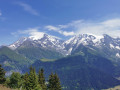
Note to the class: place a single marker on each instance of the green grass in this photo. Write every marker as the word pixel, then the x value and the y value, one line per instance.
pixel 47 60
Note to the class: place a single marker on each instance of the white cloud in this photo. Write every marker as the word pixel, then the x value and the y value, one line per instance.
pixel 33 33
pixel 52 28
pixel 68 33
pixel 28 8
pixel 58 29
pixel 110 27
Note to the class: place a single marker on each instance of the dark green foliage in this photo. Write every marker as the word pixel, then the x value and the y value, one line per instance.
pixel 41 79
pixel 2 75
pixel 15 80
pixel 7 82
pixel 54 82
pixel 51 82
pixel 38 87
pixel 33 80
pixel 26 81
pixel 57 82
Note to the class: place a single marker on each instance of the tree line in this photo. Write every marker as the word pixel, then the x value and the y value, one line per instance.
pixel 30 80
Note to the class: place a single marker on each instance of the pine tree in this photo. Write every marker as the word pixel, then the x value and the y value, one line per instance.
pixel 41 79
pixel 2 75
pixel 33 80
pixel 51 82
pixel 15 80
pixel 54 82
pixel 57 82
pixel 26 82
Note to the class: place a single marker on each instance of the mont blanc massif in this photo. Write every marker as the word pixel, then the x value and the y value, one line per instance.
pixel 85 61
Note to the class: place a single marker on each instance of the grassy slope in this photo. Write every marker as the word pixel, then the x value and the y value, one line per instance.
pixel 12 60
pixel 5 88
pixel 12 55
pixel 35 53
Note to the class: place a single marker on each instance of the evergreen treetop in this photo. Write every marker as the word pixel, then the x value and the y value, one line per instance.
pixel 2 75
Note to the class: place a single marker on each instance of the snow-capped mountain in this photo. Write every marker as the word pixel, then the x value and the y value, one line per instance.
pixel 105 43
pixel 94 41
pixel 84 39
pixel 43 41
pixel 17 43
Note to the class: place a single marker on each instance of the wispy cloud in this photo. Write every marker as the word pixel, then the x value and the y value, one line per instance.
pixel 58 29
pixel 109 26
pixel 28 8
pixel 31 32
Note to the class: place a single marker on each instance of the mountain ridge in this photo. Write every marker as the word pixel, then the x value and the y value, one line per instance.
pixel 67 47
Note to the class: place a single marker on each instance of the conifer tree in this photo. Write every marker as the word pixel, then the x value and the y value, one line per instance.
pixel 41 79
pixel 26 82
pixel 33 80
pixel 51 82
pixel 57 82
pixel 15 80
pixel 2 75
pixel 54 82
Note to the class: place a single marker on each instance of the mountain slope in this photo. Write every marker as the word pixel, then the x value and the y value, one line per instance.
pixel 11 60
pixel 37 53
pixel 107 46
pixel 83 71
pixel 45 46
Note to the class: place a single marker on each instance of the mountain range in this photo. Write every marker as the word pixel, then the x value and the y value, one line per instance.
pixel 83 62
pixel 107 46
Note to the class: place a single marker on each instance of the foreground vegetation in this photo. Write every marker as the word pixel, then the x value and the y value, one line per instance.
pixel 4 88
pixel 29 81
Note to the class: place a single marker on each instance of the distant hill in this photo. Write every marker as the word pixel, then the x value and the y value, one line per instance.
pixel 84 71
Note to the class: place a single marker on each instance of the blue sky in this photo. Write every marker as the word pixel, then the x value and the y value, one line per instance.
pixel 60 18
